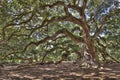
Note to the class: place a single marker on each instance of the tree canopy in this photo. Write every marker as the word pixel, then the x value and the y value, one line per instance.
pixel 40 30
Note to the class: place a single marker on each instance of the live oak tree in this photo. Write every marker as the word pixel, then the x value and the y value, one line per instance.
pixel 58 27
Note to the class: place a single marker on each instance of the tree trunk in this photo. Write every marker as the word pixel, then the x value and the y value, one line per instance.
pixel 88 41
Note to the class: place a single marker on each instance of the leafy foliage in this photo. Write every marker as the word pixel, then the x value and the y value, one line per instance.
pixel 33 29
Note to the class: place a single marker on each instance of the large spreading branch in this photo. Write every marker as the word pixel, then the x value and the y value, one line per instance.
pixel 63 31
pixel 69 17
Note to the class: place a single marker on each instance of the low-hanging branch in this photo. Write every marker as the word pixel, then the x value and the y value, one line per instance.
pixel 103 50
pixel 48 21
pixel 13 24
pixel 62 31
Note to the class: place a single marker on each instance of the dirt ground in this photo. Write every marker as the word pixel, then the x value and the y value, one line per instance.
pixel 62 71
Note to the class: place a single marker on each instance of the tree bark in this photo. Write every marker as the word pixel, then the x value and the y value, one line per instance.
pixel 88 41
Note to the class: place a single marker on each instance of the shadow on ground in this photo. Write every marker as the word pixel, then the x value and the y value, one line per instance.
pixel 63 71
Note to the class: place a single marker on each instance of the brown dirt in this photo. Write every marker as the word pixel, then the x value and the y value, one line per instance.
pixel 62 71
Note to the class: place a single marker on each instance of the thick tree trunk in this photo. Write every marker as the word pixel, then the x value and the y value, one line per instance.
pixel 91 47
pixel 88 41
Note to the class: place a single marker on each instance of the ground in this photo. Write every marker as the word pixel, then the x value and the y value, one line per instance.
pixel 62 71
